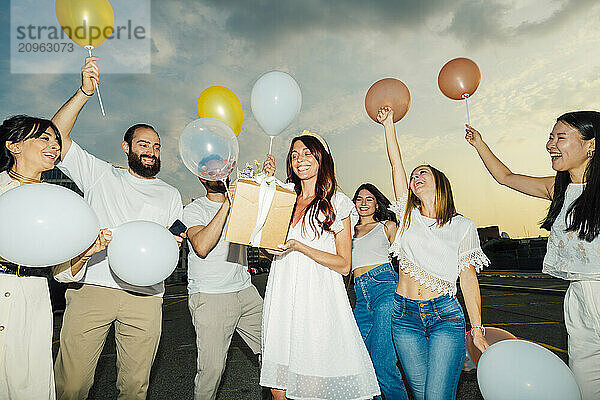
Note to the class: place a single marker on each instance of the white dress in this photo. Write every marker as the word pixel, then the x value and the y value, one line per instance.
pixel 311 345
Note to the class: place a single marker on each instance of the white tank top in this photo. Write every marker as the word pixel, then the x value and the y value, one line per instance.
pixel 371 249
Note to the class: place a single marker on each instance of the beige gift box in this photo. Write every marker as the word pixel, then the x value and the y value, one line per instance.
pixel 244 211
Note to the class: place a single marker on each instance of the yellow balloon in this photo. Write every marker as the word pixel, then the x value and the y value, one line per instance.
pixel 88 23
pixel 221 103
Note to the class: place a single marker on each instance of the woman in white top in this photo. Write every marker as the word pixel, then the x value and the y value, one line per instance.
pixel 435 246
pixel 311 346
pixel 573 219
pixel 375 282
pixel 29 146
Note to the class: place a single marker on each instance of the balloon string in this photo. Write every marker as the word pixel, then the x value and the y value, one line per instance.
pixel 467 105
pixel 271 144
pixel 227 191
pixel 89 49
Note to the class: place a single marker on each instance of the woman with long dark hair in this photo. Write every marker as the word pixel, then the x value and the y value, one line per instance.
pixel 311 346
pixel 435 246
pixel 573 220
pixel 375 282
pixel 28 147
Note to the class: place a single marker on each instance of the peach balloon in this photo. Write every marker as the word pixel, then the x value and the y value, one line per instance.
pixel 492 335
pixel 459 78
pixel 388 92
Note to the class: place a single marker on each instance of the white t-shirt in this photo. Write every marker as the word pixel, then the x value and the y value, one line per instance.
pixel 118 197
pixel 223 270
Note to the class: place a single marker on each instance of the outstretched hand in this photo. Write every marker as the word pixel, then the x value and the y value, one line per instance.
pixel 473 136
pixel 90 75
pixel 385 114
pixel 289 245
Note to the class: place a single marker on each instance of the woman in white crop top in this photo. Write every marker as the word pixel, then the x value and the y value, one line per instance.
pixel 573 219
pixel 435 246
pixel 374 284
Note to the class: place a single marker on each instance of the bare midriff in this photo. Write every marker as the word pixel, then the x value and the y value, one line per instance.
pixel 409 287
pixel 361 270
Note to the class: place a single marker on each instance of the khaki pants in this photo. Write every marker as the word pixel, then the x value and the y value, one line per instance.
pixel 215 318
pixel 90 312
pixel 582 319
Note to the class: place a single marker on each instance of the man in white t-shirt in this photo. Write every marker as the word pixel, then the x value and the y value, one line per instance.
pixel 222 298
pixel 100 299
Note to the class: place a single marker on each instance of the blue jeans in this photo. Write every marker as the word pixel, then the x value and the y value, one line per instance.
pixel 430 340
pixel 373 313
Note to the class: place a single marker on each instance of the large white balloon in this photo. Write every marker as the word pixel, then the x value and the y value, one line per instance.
pixel 519 369
pixel 209 148
pixel 43 225
pixel 142 253
pixel 276 100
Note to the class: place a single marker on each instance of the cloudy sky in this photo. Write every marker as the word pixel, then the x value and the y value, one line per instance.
pixel 538 58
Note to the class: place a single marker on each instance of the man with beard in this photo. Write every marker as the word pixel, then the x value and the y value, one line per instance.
pixel 222 299
pixel 100 299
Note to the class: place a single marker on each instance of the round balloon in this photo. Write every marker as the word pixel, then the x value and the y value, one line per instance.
pixel 518 369
pixel 221 103
pixel 388 92
pixel 276 100
pixel 492 335
pixel 88 23
pixel 44 225
pixel 209 148
pixel 142 253
pixel 459 78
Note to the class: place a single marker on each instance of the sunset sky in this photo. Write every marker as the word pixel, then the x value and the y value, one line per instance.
pixel 538 59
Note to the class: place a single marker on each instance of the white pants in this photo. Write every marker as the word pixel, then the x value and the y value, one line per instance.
pixel 25 339
pixel 582 319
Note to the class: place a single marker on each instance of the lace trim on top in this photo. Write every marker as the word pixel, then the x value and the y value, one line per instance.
pixel 476 258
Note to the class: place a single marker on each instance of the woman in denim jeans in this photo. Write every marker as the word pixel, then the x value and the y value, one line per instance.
pixel 374 283
pixel 435 246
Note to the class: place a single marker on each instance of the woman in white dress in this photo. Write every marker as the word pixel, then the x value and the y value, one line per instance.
pixel 311 345
pixel 574 222
pixel 28 147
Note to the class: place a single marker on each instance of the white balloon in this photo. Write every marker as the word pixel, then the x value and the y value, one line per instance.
pixel 43 225
pixel 276 100
pixel 519 369
pixel 209 148
pixel 142 253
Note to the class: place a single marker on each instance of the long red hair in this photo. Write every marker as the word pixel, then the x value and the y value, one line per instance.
pixel 324 189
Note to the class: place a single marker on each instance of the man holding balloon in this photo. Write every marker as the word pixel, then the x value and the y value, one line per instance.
pixel 117 196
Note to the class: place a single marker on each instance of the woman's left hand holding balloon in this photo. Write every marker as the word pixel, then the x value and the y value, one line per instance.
pixel 479 340
pixel 269 165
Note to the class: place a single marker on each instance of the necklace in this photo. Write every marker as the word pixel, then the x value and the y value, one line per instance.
pixel 22 178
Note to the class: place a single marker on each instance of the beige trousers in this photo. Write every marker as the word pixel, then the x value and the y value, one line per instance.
pixel 90 312
pixel 25 339
pixel 582 319
pixel 215 318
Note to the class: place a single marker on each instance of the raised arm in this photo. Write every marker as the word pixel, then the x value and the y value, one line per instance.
pixel 65 117
pixel 205 238
pixel 385 116
pixel 541 187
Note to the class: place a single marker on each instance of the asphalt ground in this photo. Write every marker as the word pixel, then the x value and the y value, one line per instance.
pixel 527 305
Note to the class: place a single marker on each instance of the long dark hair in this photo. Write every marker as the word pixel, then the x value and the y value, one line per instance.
pixel 382 211
pixel 324 188
pixel 19 128
pixel 583 216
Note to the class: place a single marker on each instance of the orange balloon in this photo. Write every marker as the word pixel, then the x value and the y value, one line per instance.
pixel 492 335
pixel 459 78
pixel 88 23
pixel 388 92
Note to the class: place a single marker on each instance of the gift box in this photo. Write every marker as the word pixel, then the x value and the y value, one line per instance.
pixel 261 213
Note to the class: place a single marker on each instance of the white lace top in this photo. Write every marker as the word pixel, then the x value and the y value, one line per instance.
pixel 567 256
pixel 435 256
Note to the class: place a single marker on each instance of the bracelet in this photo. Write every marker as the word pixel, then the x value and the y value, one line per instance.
pixel 83 91
pixel 480 327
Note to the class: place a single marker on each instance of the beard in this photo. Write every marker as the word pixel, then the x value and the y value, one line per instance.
pixel 215 186
pixel 136 165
